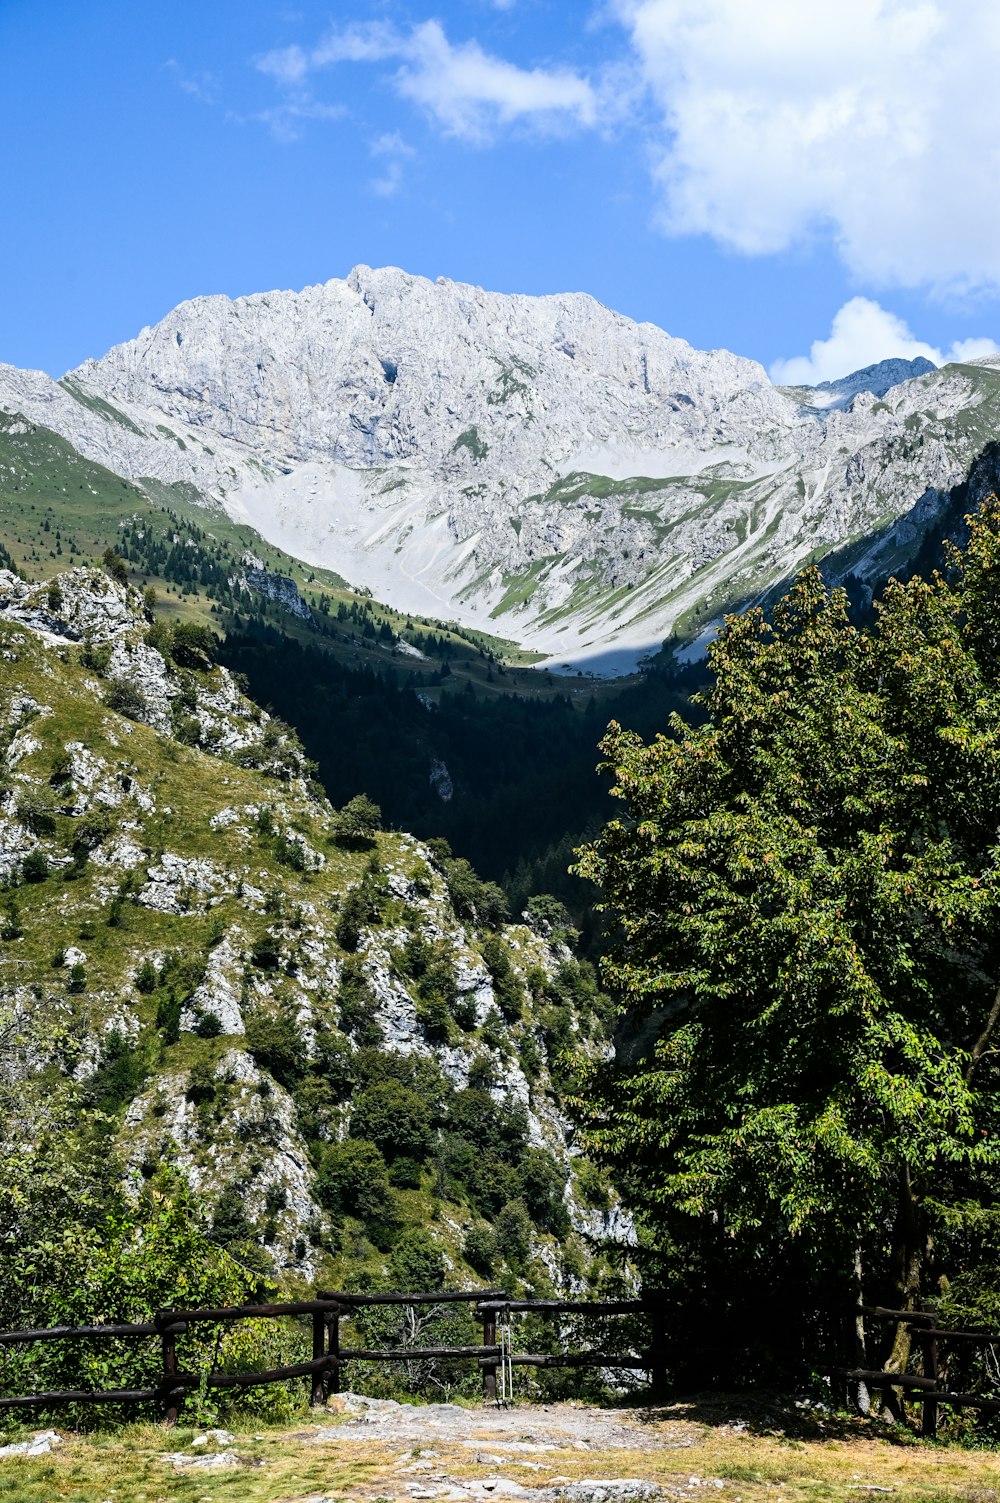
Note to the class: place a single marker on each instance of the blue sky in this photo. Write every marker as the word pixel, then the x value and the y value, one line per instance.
pixel 765 177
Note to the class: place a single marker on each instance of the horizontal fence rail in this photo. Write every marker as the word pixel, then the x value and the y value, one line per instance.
pixel 323 1371
pixel 930 1386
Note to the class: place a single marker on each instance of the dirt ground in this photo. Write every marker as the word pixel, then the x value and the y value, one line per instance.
pixel 377 1451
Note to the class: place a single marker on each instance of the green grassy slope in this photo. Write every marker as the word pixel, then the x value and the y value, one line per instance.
pixel 198 953
pixel 58 509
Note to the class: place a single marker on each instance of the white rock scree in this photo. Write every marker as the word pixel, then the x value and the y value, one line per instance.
pixel 541 467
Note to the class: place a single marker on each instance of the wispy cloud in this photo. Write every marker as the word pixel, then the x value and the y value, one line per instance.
pixel 201 85
pixel 393 151
pixel 468 92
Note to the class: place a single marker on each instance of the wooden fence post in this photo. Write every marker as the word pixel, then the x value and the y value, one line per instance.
pixel 490 1363
pixel 168 1341
pixel 317 1395
pixel 929 1410
pixel 334 1325
pixel 658 1338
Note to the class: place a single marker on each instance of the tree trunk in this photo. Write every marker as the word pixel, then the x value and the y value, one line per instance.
pixel 862 1398
pixel 909 1252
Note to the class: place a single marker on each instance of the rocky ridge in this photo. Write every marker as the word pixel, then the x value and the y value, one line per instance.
pixel 540 466
pixel 190 940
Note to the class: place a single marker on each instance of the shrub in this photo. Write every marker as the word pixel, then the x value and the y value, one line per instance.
pixel 208 1025
pixel 115 565
pixel 266 952
pixel 513 1234
pixel 591 1186
pixel 125 698
pixel 62 768
pixel 482 1073
pixel 357 1003
pixel 10 926
pixel 475 901
pixel 187 730
pixel 543 1190
pixel 480 1249
pixel 290 853
pixel 417 1262
pixel 159 637
pixel 37 811
pixel 201 1082
pixel 434 1017
pixel 193 646
pixel 357 823
pixel 352 1179
pixel 393 1117
pixel 77 979
pixel 547 916
pixel 35 866
pixel 335 1062
pixel 361 908
pixel 404 1173
pixel 506 987
pixel 275 1046
pixel 146 979
pixel 495 1126
pixel 89 831
pixel 120 1075
pixel 95 658
pixel 54 597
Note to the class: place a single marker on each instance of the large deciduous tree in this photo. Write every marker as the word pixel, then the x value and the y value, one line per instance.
pixel 806 889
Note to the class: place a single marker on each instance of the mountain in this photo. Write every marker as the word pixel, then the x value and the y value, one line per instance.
pixel 333 1031
pixel 540 467
pixel 877 379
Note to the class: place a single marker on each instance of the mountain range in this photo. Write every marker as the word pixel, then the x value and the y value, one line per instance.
pixel 541 468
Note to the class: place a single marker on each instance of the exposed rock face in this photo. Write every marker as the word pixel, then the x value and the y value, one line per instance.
pixel 277 587
pixel 542 466
pixel 180 891
pixel 877 379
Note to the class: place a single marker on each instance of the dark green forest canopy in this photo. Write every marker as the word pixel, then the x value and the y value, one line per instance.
pixel 807 894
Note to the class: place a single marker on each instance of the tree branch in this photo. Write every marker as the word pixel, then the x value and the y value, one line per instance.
pixel 979 1047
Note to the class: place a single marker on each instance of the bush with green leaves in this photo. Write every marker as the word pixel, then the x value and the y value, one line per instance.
pixel 394 1117
pixel 193 646
pixel 272 1039
pixel 480 1249
pixel 361 908
pixel 507 987
pixel 482 904
pixel 35 866
pixel 126 698
pixel 352 1179
pixel 357 823
pixel 37 809
pixel 357 1003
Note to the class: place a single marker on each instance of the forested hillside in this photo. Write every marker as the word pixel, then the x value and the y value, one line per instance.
pixel 290 1044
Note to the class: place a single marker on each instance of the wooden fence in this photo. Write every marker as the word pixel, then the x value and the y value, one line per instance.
pixel 495 1356
pixel 322 1372
pixel 932 1343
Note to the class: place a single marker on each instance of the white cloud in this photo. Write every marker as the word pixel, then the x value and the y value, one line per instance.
pixel 394 150
pixel 469 92
pixel 867 120
pixel 863 333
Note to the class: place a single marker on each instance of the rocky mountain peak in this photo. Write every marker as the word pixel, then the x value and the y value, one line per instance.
pixel 542 467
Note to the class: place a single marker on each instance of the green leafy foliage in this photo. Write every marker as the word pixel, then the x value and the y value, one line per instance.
pixel 807 889
pixel 357 823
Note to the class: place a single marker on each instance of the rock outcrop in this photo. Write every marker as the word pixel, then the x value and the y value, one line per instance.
pixel 178 896
pixel 541 466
